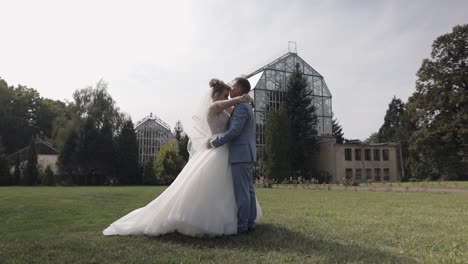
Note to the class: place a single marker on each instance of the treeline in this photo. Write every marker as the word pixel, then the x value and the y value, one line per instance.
pixel 432 125
pixel 97 143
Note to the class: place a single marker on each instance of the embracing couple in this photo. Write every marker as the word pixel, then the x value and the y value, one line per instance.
pixel 214 193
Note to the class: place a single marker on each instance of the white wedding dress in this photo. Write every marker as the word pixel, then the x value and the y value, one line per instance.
pixel 200 201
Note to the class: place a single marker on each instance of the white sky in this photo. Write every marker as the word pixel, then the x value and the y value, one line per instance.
pixel 158 56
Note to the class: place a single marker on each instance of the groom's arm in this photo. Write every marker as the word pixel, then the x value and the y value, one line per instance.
pixel 239 117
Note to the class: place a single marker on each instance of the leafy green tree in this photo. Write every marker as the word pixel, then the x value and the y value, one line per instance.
pixel 5 177
pixel 49 177
pixel 90 155
pixel 337 130
pixel 168 163
pixel 31 173
pixel 68 159
pixel 373 138
pixel 438 109
pixel 303 121
pixel 149 173
pixel 48 111
pixel 97 104
pixel 182 140
pixel 391 130
pixel 95 153
pixel 127 154
pixel 183 151
pixel 276 159
pixel 18 115
pixel 17 172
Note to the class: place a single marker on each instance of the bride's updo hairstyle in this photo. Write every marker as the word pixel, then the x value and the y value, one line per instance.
pixel 217 87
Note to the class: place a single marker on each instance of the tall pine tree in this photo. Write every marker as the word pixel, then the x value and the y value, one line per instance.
pixel 391 129
pixel 127 155
pixel 337 130
pixel 182 140
pixel 303 120
pixel 276 158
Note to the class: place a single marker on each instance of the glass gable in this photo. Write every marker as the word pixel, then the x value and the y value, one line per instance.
pixel 269 85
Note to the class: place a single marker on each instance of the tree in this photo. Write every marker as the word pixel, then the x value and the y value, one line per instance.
pixel 276 158
pixel 95 152
pixel 48 111
pixel 183 151
pixel 127 154
pixel 182 140
pixel 168 162
pixel 391 130
pixel 31 174
pixel 149 173
pixel 90 155
pixel 68 159
pixel 18 115
pixel 438 109
pixel 373 138
pixel 49 177
pixel 178 131
pixel 302 120
pixel 337 130
pixel 97 104
pixel 17 172
pixel 5 177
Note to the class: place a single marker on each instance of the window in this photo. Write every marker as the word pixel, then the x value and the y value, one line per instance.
pixel 357 154
pixel 385 154
pixel 358 174
pixel 367 154
pixel 386 174
pixel 349 173
pixel 347 153
pixel 368 174
pixel 377 174
pixel 376 154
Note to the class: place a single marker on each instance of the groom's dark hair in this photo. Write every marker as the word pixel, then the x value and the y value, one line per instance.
pixel 244 84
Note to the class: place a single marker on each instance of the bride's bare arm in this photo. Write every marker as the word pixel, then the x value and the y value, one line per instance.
pixel 221 105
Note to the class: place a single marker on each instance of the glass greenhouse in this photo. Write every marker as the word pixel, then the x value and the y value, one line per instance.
pixel 151 133
pixel 269 85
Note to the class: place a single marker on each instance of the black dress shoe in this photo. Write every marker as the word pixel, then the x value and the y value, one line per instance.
pixel 250 230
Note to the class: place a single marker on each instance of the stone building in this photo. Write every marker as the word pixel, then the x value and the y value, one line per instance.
pixel 361 162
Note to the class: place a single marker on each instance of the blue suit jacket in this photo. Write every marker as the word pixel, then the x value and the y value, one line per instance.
pixel 241 135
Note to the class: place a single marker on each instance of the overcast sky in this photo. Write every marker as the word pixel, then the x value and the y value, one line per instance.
pixel 158 56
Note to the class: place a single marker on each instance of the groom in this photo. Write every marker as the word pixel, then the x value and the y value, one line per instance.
pixel 242 154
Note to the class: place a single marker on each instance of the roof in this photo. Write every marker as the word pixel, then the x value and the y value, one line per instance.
pixel 42 148
pixel 152 117
pixel 284 57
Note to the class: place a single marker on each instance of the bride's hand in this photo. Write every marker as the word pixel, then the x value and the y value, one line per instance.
pixel 246 98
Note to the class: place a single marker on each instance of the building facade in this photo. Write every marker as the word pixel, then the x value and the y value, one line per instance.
pixel 361 162
pixel 151 133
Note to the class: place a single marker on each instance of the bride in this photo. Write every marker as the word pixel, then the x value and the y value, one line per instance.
pixel 201 200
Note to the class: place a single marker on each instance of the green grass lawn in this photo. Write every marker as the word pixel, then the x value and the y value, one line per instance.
pixel 429 184
pixel 64 225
